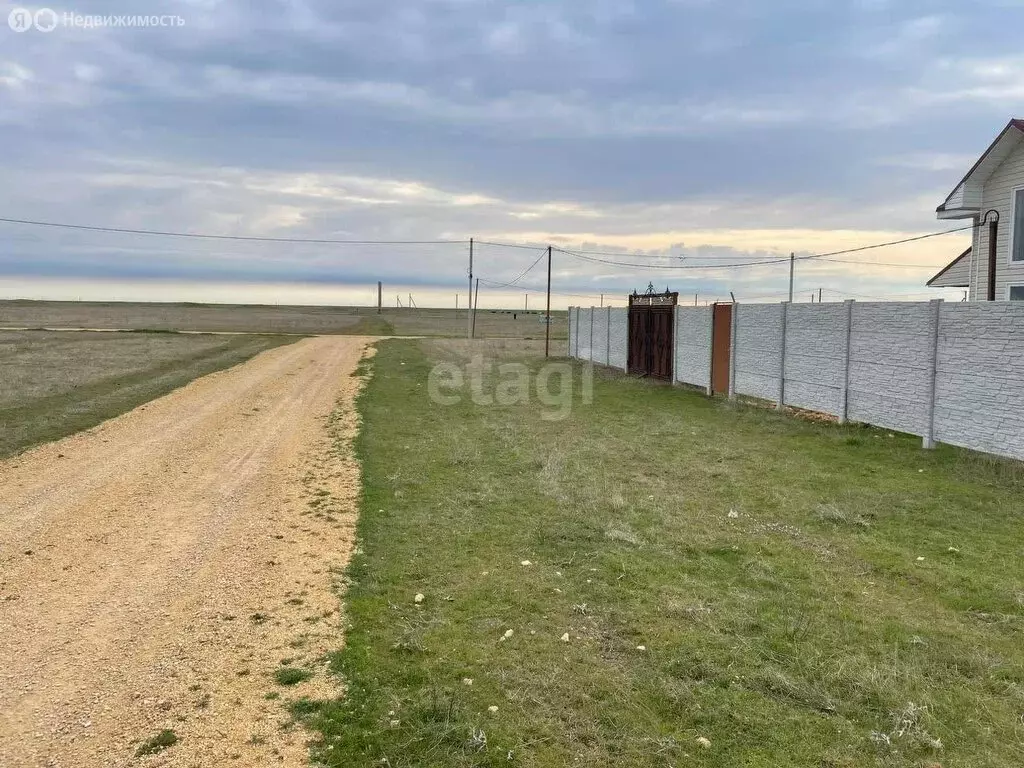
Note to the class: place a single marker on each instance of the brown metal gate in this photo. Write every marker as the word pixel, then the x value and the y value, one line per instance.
pixel 721 348
pixel 651 334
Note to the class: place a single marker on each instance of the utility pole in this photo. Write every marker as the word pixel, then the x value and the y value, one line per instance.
pixel 380 296
pixel 792 266
pixel 547 321
pixel 602 300
pixel 398 300
pixel 456 303
pixel 469 315
pixel 527 307
pixel 819 295
pixel 476 302
pixel 695 299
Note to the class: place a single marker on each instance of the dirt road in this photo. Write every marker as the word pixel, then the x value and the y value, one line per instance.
pixel 158 570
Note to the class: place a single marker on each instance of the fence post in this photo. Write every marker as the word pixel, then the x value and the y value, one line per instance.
pixel 928 443
pixel 608 339
pixel 568 339
pixel 844 394
pixel 711 350
pixel 732 350
pixel 591 335
pixel 781 400
pixel 577 353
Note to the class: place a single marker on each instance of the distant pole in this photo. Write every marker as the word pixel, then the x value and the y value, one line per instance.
pixel 819 295
pixel 527 307
pixel 547 322
pixel 398 300
pixel 380 296
pixel 602 299
pixel 792 266
pixel 469 315
pixel 476 303
pixel 695 299
pixel 456 302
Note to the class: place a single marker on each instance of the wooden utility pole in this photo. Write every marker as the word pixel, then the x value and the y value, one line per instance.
pixel 476 302
pixel 602 299
pixel 380 296
pixel 469 315
pixel 547 321
pixel 527 307
pixel 819 295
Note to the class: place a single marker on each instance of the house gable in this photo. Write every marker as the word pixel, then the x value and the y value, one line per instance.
pixel 965 201
pixel 956 274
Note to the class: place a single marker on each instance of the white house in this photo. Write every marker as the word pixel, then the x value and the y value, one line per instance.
pixel 991 196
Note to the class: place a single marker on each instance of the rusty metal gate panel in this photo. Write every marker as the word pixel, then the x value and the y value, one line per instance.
pixel 721 348
pixel 651 334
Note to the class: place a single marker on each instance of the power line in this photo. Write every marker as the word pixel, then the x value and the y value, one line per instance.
pixel 200 236
pixel 878 264
pixel 891 242
pixel 669 266
pixel 522 274
pixel 508 245
pixel 666 255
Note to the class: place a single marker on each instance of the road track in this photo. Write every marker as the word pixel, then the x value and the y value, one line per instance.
pixel 156 570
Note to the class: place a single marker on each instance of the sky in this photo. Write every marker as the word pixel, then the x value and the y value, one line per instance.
pixel 684 133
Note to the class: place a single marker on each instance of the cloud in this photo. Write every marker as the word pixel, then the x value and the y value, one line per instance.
pixel 798 125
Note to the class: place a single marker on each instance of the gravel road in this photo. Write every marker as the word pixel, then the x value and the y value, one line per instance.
pixel 156 571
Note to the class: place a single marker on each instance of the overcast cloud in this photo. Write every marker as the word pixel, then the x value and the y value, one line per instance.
pixel 705 129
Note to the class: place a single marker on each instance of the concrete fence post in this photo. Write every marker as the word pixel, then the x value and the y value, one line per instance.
pixel 928 443
pixel 608 339
pixel 732 350
pixel 568 319
pixel 781 399
pixel 577 352
pixel 844 393
pixel 591 334
pixel 711 351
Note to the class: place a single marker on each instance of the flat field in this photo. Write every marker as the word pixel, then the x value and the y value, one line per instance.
pixel 55 383
pixel 225 318
pixel 661 579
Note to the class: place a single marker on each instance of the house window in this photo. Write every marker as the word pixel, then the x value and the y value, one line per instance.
pixel 1017 246
pixel 1017 293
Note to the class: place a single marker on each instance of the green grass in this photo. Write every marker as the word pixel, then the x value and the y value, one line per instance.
pixel 291 675
pixel 800 630
pixel 56 384
pixel 158 743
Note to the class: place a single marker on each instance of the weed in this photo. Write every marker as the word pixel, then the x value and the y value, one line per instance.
pixel 291 675
pixel 158 743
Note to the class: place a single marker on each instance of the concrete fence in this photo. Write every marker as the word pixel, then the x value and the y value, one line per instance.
pixel 951 373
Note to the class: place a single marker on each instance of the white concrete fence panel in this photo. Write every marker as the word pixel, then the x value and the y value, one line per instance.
pixel 693 346
pixel 952 373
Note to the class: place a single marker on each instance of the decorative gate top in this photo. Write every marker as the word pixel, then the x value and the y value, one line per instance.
pixel 652 299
